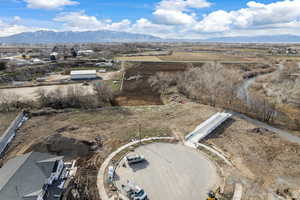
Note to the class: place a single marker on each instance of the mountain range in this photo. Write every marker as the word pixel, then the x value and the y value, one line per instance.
pixel 113 36
pixel 77 37
pixel 258 39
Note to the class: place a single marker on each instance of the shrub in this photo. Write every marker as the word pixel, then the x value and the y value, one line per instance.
pixel 2 66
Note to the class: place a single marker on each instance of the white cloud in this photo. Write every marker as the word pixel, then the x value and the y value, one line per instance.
pixel 173 17
pixel 254 16
pixel 17 19
pixel 119 26
pixel 145 26
pixel 217 21
pixel 182 5
pixel 177 12
pixel 7 29
pixel 177 19
pixel 79 21
pixel 49 4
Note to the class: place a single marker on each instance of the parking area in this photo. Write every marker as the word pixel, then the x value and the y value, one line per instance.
pixel 170 172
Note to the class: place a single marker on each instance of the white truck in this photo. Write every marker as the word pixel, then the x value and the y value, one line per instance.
pixel 133 159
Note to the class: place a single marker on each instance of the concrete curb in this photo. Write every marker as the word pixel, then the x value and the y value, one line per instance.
pixel 238 191
pixel 216 153
pixel 195 146
pixel 101 172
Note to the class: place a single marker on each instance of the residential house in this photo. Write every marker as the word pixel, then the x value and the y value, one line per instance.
pixel 31 177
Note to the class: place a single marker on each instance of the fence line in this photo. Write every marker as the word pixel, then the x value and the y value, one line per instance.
pixel 10 132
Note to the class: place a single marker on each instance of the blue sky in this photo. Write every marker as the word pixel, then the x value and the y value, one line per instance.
pixel 163 18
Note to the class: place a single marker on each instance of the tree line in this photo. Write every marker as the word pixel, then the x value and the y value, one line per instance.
pixel 214 85
pixel 71 97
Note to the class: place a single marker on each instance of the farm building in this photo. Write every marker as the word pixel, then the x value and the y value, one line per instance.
pixel 85 52
pixel 83 74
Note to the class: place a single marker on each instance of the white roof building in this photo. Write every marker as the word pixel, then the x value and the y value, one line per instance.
pixel 83 74
pixel 85 52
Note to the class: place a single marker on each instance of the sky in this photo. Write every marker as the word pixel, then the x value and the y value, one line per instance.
pixel 182 19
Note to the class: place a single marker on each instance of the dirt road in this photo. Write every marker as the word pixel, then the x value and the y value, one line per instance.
pixel 243 91
pixel 284 134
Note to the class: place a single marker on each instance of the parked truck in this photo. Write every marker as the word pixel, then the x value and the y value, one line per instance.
pixel 134 192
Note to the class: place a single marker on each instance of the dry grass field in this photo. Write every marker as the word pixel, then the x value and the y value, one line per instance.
pixel 5 120
pixel 139 58
pixel 199 56
pixel 289 58
pixel 219 48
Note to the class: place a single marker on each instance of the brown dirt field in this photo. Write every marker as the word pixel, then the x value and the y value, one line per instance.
pixel 137 100
pixel 5 120
pixel 147 69
pixel 136 88
pixel 115 125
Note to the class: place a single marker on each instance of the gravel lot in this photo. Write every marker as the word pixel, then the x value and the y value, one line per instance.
pixel 171 172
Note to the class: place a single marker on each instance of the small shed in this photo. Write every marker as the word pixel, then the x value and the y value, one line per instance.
pixel 83 75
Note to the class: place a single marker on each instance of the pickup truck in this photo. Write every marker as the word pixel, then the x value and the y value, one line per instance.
pixel 135 192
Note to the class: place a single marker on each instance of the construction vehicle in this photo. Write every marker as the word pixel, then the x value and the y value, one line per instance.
pixel 211 196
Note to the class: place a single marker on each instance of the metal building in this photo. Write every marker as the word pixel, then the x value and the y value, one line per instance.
pixel 83 75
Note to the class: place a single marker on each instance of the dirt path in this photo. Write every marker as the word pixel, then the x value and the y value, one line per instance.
pixel 243 92
pixel 284 134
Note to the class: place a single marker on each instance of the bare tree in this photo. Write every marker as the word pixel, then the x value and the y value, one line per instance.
pixel 103 92
pixel 2 66
pixel 296 92
pixel 70 97
pixel 161 82
pixel 210 83
pixel 9 101
pixel 42 96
